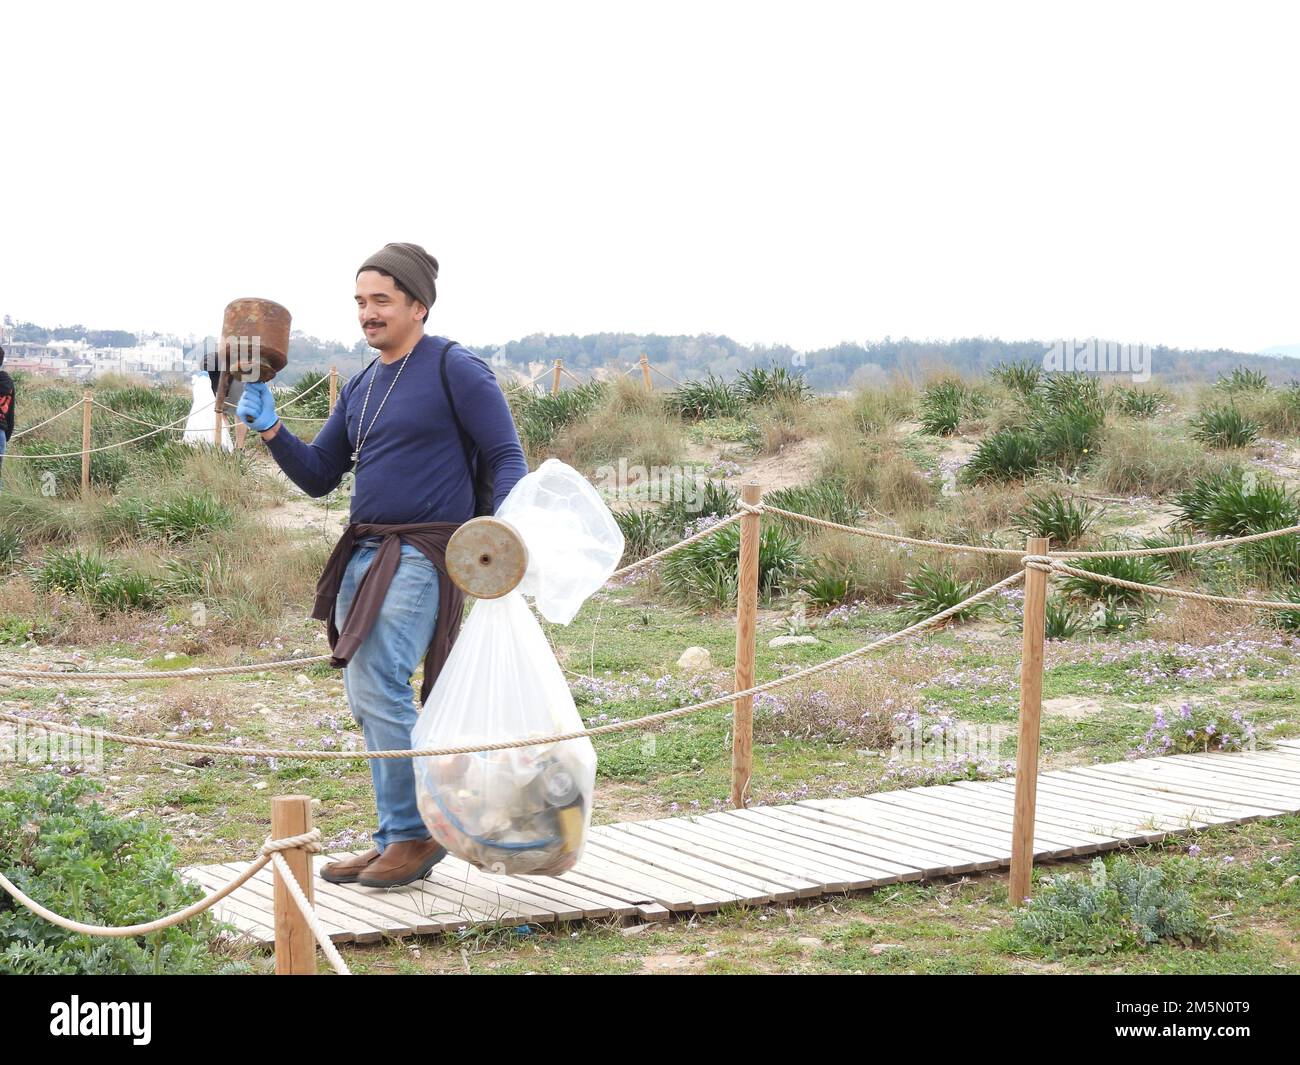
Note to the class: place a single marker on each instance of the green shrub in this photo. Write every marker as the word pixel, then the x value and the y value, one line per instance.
pixel 643 533
pixel 1243 380
pixel 1121 906
pixel 930 590
pixel 822 498
pixel 1195 501
pixel 1231 506
pixel 1064 519
pixel 107 468
pixel 313 405
pixel 11 549
pixel 97 580
pixel 1141 569
pixel 710 398
pixel 78 860
pixel 1008 454
pixel 1224 427
pixel 1061 619
pixel 705 572
pixel 1071 432
pixel 1022 377
pixel 1136 403
pixel 942 407
pixel 541 417
pixel 1110 619
pixel 1068 391
pixel 830 582
pixel 759 385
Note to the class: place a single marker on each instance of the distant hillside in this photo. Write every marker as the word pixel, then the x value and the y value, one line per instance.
pixel 830 369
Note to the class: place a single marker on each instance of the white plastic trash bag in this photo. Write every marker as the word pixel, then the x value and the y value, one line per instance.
pixel 522 809
pixel 573 541
pixel 203 417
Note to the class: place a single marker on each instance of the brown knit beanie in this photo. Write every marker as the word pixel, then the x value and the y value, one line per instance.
pixel 411 266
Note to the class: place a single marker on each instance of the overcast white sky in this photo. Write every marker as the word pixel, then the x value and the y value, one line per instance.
pixel 803 173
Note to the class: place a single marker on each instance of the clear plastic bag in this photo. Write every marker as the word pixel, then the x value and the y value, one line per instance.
pixel 573 541
pixel 524 809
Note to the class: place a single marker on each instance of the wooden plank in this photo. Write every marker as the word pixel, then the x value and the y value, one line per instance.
pixel 966 791
pixel 1121 786
pixel 804 868
pixel 593 907
pixel 1056 831
pixel 833 845
pixel 828 830
pixel 461 886
pixel 723 880
pixel 1099 795
pixel 339 925
pixel 1177 781
pixel 1122 822
pixel 1050 804
pixel 814 858
pixel 667 890
pixel 702 855
pixel 639 905
pixel 1281 760
pixel 395 910
pixel 252 906
pixel 1260 772
pixel 878 818
pixel 911 827
pixel 992 828
pixel 784 866
pixel 527 896
pixel 1140 798
pixel 259 893
pixel 846 835
pixel 250 920
pixel 695 840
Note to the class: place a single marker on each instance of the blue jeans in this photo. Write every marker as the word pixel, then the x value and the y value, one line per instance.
pixel 378 681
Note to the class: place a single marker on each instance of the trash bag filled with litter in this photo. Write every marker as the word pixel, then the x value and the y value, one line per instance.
pixel 520 809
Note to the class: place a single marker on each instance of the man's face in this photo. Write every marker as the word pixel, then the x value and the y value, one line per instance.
pixel 388 316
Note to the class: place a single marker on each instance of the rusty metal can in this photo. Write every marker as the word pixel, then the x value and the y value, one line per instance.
pixel 255 338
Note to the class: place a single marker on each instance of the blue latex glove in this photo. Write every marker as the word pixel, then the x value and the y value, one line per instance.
pixel 257 403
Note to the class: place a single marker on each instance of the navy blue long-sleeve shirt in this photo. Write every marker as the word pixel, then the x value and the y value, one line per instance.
pixel 412 466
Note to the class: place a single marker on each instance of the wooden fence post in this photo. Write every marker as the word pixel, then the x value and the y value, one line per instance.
pixel 219 408
pixel 1031 712
pixel 334 387
pixel 85 441
pixel 645 372
pixel 742 714
pixel 295 946
pixel 555 379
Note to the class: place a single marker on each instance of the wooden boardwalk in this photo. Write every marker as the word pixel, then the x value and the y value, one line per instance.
pixel 646 870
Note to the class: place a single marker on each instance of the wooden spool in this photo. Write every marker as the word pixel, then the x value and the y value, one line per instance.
pixel 486 558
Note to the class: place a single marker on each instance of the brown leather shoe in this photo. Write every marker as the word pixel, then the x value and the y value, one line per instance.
pixel 347 871
pixel 402 863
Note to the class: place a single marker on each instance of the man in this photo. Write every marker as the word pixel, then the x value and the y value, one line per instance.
pixel 7 401
pixel 385 593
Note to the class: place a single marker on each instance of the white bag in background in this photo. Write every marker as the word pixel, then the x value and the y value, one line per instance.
pixel 525 809
pixel 203 415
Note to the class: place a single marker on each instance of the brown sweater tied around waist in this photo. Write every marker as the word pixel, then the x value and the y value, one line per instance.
pixel 430 538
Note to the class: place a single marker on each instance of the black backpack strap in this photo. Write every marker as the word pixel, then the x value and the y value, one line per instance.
pixel 446 388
